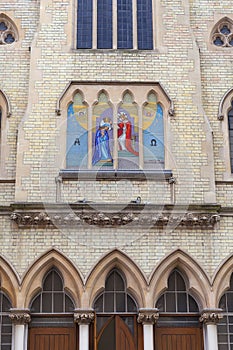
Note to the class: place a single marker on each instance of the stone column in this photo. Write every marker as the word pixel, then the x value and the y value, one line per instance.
pixel 148 317
pixel 20 319
pixel 83 318
pixel 210 318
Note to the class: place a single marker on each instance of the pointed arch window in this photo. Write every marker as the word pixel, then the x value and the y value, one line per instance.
pixel 130 27
pixel 5 322
pixel 8 30
pixel 230 127
pixel 116 312
pixel 222 34
pixel 225 330
pixel 114 128
pixel 52 298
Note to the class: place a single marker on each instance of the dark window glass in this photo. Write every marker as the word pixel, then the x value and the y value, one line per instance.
pixel 52 298
pixel 144 25
pixel 225 30
pixel 124 24
pixel 230 126
pixel 5 322
pixel 84 29
pixel 104 24
pixel 176 298
pixel 3 27
pixel 115 297
pixel 218 41
pixel 225 325
pixel 9 39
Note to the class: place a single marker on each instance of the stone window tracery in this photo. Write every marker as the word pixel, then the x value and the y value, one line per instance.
pixel 8 31
pixel 222 34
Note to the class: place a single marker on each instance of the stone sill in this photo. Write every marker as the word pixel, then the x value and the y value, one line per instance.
pixel 93 175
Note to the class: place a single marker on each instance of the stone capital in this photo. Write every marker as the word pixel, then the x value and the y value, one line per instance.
pixel 20 316
pixel 211 316
pixel 148 316
pixel 82 316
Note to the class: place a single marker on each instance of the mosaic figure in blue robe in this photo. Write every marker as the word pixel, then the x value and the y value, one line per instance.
pixel 102 152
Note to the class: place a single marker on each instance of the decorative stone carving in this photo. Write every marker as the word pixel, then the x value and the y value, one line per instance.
pixel 19 316
pixel 74 218
pixel 148 316
pixel 84 316
pixel 211 316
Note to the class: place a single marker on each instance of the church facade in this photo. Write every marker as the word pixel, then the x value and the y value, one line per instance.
pixel 116 175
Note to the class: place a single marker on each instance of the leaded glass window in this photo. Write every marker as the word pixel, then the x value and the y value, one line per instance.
pixel 130 27
pixel 176 299
pixel 222 34
pixel 5 322
pixel 52 298
pixel 8 31
pixel 230 127
pixel 225 325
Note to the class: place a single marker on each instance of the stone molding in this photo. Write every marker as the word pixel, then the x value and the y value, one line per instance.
pixel 20 316
pixel 97 215
pixel 211 316
pixel 84 316
pixel 148 316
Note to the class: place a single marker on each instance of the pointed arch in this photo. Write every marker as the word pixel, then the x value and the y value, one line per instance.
pixel 33 278
pixel 9 280
pixel 135 280
pixel 9 33
pixel 198 284
pixel 221 278
pixel 222 33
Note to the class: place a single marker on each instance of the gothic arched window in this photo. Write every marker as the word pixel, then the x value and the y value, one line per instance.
pixel 222 34
pixel 130 27
pixel 8 31
pixel 225 330
pixel 52 298
pixel 116 312
pixel 230 127
pixel 5 322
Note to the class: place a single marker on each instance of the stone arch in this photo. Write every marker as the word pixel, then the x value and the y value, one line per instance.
pixel 10 29
pixel 32 280
pixel 135 280
pixel 219 37
pixel 9 280
pixel 221 278
pixel 198 284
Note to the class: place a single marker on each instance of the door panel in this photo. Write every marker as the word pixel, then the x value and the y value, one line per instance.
pixel 178 339
pixel 52 339
pixel 124 338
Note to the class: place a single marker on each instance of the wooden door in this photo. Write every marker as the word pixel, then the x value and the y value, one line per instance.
pixel 115 335
pixel 178 339
pixel 124 338
pixel 52 339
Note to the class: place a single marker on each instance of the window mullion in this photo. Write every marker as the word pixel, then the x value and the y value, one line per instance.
pixel 141 160
pixel 114 19
pixel 135 32
pixel 115 141
pixel 89 123
pixel 94 27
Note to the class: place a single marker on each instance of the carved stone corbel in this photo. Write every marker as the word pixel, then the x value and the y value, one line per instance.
pixel 211 316
pixel 148 316
pixel 20 316
pixel 82 316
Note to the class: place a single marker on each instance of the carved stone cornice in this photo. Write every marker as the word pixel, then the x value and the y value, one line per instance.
pixel 148 316
pixel 20 316
pixel 211 316
pixel 82 316
pixel 111 215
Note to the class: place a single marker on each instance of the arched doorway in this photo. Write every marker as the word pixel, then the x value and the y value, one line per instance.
pixel 178 327
pixel 116 316
pixel 52 326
